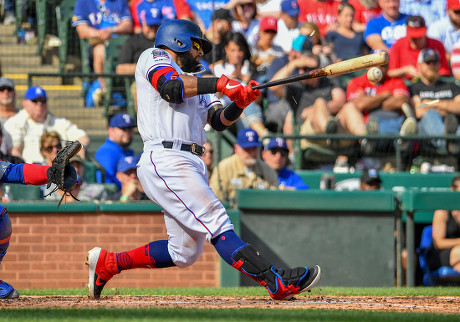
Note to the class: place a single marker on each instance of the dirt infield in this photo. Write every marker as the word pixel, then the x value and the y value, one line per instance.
pixel 445 305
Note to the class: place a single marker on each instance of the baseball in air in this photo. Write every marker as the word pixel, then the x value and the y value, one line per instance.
pixel 374 75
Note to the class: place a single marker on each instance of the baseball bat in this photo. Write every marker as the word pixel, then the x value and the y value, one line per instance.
pixel 340 68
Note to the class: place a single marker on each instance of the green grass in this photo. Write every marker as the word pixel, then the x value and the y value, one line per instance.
pixel 203 315
pixel 256 291
pixel 241 314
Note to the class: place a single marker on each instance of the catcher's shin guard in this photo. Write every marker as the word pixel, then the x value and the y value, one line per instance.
pixel 282 284
pixel 5 232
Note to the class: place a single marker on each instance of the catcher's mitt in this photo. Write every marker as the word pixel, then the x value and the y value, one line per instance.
pixel 61 173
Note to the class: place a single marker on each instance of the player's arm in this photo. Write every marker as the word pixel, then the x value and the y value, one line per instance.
pixel 24 173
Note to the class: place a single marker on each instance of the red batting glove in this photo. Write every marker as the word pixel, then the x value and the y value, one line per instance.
pixel 247 95
pixel 229 87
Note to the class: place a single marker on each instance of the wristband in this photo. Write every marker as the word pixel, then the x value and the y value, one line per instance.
pixel 206 85
pixel 124 198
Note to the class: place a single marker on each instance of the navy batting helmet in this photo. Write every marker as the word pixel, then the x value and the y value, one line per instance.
pixel 177 35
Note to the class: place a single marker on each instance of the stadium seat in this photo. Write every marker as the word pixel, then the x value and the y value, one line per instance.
pixel 445 275
pixel 25 192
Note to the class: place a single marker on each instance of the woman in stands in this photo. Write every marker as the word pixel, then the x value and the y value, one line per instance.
pixel 445 250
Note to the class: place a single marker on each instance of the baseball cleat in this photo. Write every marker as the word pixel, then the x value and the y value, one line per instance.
pixel 7 291
pixel 290 282
pixel 101 266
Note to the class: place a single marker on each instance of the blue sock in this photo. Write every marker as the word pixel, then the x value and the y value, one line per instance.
pixel 226 244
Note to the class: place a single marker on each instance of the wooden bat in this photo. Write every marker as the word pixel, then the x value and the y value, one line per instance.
pixel 340 68
pixel 428 103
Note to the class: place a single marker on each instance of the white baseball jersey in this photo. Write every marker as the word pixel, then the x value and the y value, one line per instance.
pixel 174 179
pixel 158 119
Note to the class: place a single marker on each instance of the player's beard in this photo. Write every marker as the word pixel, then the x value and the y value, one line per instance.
pixel 189 64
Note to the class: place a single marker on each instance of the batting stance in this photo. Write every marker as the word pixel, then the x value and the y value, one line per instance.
pixel 173 108
pixel 60 173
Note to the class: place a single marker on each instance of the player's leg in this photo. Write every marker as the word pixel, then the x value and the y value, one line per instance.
pixel 281 283
pixel 6 290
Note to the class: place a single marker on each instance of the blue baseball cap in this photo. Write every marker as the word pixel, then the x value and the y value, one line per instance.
pixel 291 7
pixel 247 138
pixel 121 120
pixel 127 163
pixel 277 143
pixel 35 92
pixel 151 17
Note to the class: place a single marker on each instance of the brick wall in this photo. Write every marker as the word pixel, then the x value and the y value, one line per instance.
pixel 48 250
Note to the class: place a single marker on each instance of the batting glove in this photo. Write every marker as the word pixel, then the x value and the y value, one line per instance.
pixel 247 95
pixel 229 87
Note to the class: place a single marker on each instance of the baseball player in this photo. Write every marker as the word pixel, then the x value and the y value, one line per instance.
pixel 173 108
pixel 60 173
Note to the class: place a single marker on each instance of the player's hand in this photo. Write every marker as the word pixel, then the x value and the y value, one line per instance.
pixel 247 95
pixel 229 87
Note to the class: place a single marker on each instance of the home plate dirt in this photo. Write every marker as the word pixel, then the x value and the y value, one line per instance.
pixel 444 305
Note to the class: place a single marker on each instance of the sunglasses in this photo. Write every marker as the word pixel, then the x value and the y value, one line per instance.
pixel 196 45
pixel 39 99
pixel 6 88
pixel 283 152
pixel 50 148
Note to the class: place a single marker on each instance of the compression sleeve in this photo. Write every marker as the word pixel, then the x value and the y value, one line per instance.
pixel 232 112
pixel 34 174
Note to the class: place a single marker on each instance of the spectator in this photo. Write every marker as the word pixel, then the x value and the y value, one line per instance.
pixel 243 170
pixel 113 18
pixel 383 31
pixel 220 27
pixel 116 146
pixel 455 61
pixel 83 191
pixel 6 156
pixel 447 30
pixel 323 13
pixel 445 250
pixel 268 7
pixel 163 8
pixel 28 125
pixel 7 99
pixel 320 47
pixel 365 10
pixel 134 14
pixel 208 157
pixel 237 65
pixel 264 51
pixel 9 17
pixel 275 155
pixel 442 117
pixel 50 144
pixel 278 104
pixel 404 52
pixel 369 180
pixel 431 10
pixel 200 11
pixel 288 25
pixel 131 188
pixel 381 105
pixel 135 45
pixel 245 12
pixel 347 43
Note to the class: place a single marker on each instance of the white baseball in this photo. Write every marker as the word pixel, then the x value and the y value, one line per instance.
pixel 374 75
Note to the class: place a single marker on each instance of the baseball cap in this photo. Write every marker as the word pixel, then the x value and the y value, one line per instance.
pixel 121 120
pixel 428 55
pixel 268 23
pixel 370 176
pixel 35 92
pixel 247 138
pixel 76 158
pixel 416 27
pixel 277 143
pixel 151 17
pixel 291 7
pixel 127 163
pixel 6 82
pixel 453 5
pixel 302 44
pixel 223 14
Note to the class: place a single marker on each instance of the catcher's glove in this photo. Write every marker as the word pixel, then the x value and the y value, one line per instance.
pixel 61 173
